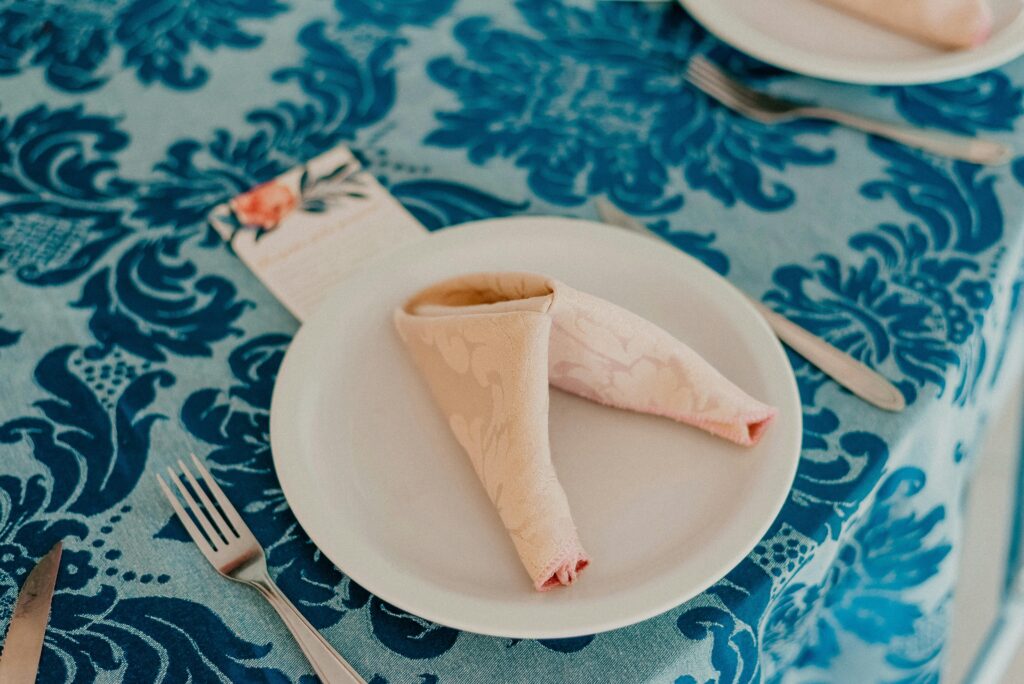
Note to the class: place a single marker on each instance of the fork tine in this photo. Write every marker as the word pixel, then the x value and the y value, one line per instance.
pixel 737 89
pixel 215 517
pixel 186 520
pixel 211 532
pixel 749 105
pixel 713 76
pixel 699 59
pixel 717 92
pixel 241 529
pixel 704 66
pixel 698 63
pixel 744 94
pixel 704 83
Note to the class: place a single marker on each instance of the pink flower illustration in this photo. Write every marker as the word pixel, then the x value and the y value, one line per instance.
pixel 265 205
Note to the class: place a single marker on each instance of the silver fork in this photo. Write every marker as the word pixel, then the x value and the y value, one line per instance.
pixel 233 551
pixel 766 108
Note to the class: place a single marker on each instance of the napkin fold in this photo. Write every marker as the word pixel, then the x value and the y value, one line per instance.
pixel 489 344
pixel 946 23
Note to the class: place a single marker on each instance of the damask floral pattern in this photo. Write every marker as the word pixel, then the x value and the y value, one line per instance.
pixel 593 102
pixel 344 91
pixel 986 102
pixel 129 336
pixel 918 289
pixel 61 194
pixel 74 43
pixel 867 592
pixel 153 301
pixel 91 439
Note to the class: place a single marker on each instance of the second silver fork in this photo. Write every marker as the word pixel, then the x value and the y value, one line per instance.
pixel 228 543
pixel 721 86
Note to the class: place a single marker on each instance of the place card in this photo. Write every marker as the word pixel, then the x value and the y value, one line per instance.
pixel 310 227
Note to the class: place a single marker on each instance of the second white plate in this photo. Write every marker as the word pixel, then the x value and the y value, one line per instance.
pixel 811 38
pixel 377 480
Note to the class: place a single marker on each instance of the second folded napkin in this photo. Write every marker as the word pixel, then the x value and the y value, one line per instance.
pixel 489 345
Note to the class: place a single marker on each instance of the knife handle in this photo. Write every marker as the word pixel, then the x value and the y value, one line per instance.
pixel 976 150
pixel 837 364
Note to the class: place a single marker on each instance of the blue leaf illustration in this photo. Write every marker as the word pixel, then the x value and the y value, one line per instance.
pixel 63 198
pixel 155 302
pixel 408 635
pixel 75 43
pixel 594 101
pixel 95 454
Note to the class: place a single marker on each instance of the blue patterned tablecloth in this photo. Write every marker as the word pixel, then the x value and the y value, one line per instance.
pixel 129 334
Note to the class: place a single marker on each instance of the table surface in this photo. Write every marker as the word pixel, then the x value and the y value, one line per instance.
pixel 129 335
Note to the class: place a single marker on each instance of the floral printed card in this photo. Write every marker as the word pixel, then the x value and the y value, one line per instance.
pixel 310 227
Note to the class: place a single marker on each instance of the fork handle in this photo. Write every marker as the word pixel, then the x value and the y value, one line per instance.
pixel 329 666
pixel 977 150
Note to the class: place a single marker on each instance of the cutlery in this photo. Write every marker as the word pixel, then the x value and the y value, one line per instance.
pixel 840 366
pixel 233 551
pixel 24 643
pixel 718 84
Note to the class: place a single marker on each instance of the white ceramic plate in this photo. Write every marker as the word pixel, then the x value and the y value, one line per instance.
pixel 811 38
pixel 374 475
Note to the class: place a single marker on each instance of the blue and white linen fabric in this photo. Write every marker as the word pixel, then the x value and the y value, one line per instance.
pixel 129 334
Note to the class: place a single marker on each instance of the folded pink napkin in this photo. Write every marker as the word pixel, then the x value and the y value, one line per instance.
pixel 489 344
pixel 947 23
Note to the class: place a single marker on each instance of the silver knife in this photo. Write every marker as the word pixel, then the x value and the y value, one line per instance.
pixel 24 644
pixel 837 364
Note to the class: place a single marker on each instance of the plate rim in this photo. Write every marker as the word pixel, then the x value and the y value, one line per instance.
pixel 715 17
pixel 293 493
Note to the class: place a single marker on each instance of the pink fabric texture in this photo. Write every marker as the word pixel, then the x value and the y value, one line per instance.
pixel 946 23
pixel 489 345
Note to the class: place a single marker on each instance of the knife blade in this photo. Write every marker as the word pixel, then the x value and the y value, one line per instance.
pixel 855 376
pixel 24 644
